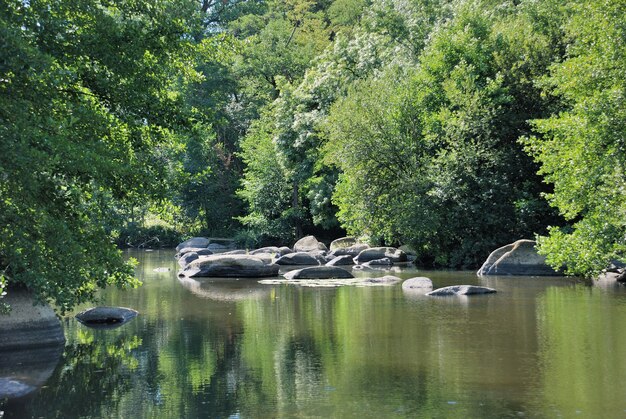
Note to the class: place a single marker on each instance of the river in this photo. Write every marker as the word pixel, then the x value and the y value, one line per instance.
pixel 540 347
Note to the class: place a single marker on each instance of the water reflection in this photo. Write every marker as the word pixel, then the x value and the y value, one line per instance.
pixel 211 349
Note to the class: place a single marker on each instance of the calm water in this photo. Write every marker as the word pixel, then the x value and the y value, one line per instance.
pixel 539 348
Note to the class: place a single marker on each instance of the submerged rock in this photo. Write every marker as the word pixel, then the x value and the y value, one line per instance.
pixel 519 258
pixel 318 272
pixel 461 290
pixel 332 283
pixel 230 266
pixel 393 254
pixel 106 317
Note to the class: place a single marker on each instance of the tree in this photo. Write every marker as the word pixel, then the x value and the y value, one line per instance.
pixel 582 150
pixel 91 107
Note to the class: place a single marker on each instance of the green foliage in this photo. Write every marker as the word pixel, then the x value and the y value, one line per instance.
pixel 90 104
pixel 582 149
pixel 429 155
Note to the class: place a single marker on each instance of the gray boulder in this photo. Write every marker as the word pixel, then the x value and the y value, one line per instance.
pixel 106 317
pixel 28 325
pixel 342 243
pixel 395 255
pixel 230 266
pixel 308 244
pixel 279 251
pixel 193 242
pixel 235 252
pixel 318 272
pixel 298 258
pixel 519 258
pixel 341 261
pixel 352 251
pixel 461 290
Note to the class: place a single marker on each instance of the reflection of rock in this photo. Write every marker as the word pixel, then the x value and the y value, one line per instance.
pixel 395 255
pixel 230 266
pixel 461 290
pixel 519 258
pixel 106 317
pixel 224 290
pixel 24 370
pixel 28 325
pixel 318 272
pixel 417 286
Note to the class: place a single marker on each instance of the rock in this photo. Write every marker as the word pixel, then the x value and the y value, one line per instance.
pixel 383 280
pixel 187 258
pixel 350 251
pixel 279 251
pixel 234 252
pixel 519 258
pixel 284 250
pixel 379 262
pixel 298 258
pixel 218 248
pixel 230 266
pixel 342 243
pixel 395 255
pixel 318 272
pixel 308 244
pixel 420 283
pixel 198 250
pixel 341 261
pixel 461 290
pixel 193 242
pixel 106 317
pixel 339 282
pixel 28 325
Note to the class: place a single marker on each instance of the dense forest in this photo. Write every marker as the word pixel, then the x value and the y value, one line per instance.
pixel 452 126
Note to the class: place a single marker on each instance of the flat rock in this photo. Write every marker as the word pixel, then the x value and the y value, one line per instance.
pixel 519 258
pixel 106 317
pixel 332 283
pixel 271 250
pixel 395 255
pixel 298 258
pixel 318 272
pixel 230 266
pixel 461 290
pixel 420 282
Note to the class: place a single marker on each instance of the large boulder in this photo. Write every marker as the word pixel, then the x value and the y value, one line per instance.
pixel 342 243
pixel 28 325
pixel 230 266
pixel 394 255
pixel 194 242
pixel 106 317
pixel 298 258
pixel 341 261
pixel 461 290
pixel 272 250
pixel 318 272
pixel 187 258
pixel 384 262
pixel 519 258
pixel 308 244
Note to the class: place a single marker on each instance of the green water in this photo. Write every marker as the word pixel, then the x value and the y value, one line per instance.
pixel 540 347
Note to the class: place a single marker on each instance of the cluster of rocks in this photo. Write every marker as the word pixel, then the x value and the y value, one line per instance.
pixel 198 261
